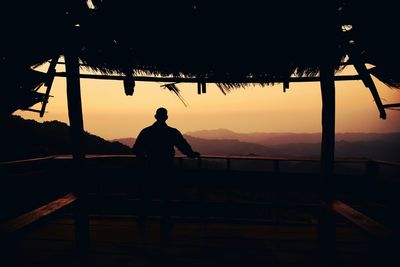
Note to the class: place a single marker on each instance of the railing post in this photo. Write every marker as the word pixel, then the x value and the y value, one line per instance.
pixel 276 165
pixel 180 163
pixel 203 201
pixel 372 173
pixel 199 163
pixel 277 193
pixel 229 189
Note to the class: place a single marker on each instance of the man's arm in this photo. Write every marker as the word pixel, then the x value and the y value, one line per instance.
pixel 184 146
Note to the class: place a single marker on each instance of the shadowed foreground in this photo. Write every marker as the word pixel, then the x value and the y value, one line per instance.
pixel 227 211
pixel 117 242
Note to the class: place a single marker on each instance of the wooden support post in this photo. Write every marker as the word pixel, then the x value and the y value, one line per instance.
pixel 78 154
pixel 368 82
pixel 327 225
pixel 328 133
pixel 75 107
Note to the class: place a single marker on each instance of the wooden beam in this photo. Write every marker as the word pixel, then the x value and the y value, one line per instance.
pixel 355 56
pixel 31 217
pixel 31 110
pixel 203 87
pixel 209 80
pixel 49 83
pixel 396 105
pixel 23 161
pixel 327 224
pixel 371 227
pixel 369 83
pixel 387 163
pixel 82 237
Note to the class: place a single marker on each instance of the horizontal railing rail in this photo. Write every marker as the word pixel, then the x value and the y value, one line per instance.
pixel 386 163
pixel 24 161
pixel 222 157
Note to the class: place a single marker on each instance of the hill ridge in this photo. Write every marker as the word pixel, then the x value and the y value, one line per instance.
pixel 277 138
pixel 22 139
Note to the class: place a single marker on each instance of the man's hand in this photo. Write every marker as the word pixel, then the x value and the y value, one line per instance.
pixel 194 155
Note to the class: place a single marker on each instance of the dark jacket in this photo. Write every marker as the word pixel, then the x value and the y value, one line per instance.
pixel 156 143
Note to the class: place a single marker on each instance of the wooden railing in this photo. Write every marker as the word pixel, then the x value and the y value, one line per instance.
pixel 228 160
pixel 16 224
pixel 365 223
pixel 372 228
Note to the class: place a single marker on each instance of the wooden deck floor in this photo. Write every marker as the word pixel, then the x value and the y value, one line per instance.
pixel 117 241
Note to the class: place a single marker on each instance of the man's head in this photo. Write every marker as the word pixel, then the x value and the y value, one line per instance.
pixel 161 114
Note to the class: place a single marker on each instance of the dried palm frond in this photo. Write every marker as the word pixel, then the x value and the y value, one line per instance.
pixel 174 89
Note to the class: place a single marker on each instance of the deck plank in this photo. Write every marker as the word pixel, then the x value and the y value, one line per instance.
pixel 117 242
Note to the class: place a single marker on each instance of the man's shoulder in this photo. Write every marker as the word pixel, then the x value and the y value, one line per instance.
pixel 164 128
pixel 174 130
pixel 146 129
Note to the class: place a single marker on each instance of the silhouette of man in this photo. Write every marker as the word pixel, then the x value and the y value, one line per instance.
pixel 154 147
pixel 156 143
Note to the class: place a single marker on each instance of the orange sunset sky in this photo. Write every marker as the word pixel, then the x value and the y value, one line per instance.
pixel 109 113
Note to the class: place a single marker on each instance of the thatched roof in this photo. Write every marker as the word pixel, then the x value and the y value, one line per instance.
pixel 214 38
pixel 375 32
pixel 226 40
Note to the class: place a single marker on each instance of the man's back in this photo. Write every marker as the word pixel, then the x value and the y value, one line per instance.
pixel 156 143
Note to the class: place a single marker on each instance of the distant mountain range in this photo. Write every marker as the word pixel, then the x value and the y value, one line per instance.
pixel 219 146
pixel 384 146
pixel 269 139
pixel 21 139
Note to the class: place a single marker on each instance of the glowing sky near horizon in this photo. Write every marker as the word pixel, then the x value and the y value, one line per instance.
pixel 110 114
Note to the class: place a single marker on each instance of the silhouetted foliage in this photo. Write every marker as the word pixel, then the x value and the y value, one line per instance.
pixel 21 139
